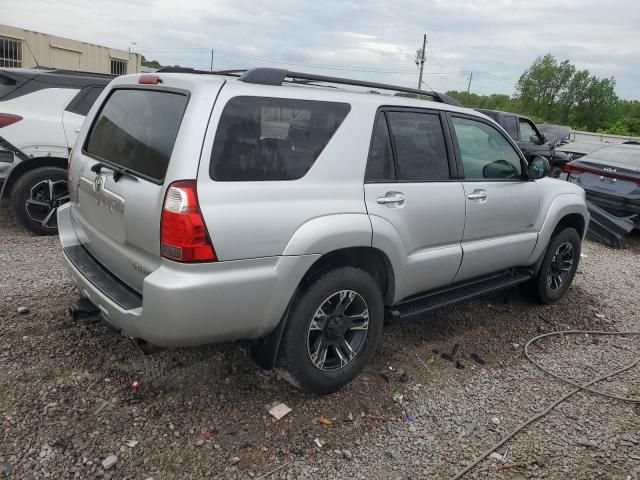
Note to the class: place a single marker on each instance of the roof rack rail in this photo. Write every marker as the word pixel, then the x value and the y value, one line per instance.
pixel 233 73
pixel 276 76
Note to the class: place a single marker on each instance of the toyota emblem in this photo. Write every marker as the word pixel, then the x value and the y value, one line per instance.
pixel 98 183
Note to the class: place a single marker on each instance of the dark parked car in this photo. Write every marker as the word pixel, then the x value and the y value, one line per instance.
pixel 528 137
pixel 611 177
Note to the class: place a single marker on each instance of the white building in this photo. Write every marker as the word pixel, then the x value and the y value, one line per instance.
pixel 28 49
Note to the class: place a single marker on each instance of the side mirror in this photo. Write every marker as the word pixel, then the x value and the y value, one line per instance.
pixel 539 168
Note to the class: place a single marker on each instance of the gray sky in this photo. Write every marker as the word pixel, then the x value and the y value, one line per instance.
pixel 373 40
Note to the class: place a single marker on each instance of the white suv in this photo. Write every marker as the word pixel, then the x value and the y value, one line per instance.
pixel 268 207
pixel 41 112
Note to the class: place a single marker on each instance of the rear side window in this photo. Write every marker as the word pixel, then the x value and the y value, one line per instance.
pixel 421 152
pixel 511 126
pixel 7 85
pixel 137 129
pixel 380 164
pixel 83 101
pixel 262 138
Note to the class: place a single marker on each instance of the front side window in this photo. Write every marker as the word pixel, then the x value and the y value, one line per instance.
pixel 527 132
pixel 262 138
pixel 486 153
pixel 421 152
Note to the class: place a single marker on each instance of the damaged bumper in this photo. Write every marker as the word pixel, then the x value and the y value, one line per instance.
pixel 607 228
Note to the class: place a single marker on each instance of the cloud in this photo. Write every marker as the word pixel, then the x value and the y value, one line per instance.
pixel 374 39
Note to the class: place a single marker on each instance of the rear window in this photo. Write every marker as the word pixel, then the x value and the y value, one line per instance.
pixel 624 155
pixel 262 138
pixel 137 129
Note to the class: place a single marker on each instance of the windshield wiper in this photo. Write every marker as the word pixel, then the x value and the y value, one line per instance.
pixel 118 172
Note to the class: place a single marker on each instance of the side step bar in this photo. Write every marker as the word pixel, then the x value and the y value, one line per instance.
pixel 459 293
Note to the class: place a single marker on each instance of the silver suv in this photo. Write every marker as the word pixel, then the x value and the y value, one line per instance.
pixel 270 207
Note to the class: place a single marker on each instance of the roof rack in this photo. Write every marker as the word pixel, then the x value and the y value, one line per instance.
pixel 276 76
pixel 232 73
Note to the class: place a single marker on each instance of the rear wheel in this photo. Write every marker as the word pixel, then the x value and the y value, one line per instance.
pixel 558 266
pixel 332 331
pixel 36 197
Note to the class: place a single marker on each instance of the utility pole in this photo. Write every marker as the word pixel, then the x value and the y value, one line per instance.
pixel 470 78
pixel 420 59
pixel 211 67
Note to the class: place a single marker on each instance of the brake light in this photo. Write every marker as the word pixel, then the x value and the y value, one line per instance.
pixel 183 234
pixel 577 169
pixel 569 168
pixel 149 80
pixel 7 119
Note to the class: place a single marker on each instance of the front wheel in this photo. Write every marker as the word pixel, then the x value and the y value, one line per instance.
pixel 35 199
pixel 332 331
pixel 558 267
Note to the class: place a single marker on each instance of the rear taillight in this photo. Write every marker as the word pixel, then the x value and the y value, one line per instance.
pixel 183 233
pixel 7 119
pixel 578 169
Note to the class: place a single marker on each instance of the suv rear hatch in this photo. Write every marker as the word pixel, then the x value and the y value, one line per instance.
pixel 128 158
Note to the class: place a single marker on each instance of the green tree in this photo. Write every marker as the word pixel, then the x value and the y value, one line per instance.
pixel 149 63
pixel 598 106
pixel 541 86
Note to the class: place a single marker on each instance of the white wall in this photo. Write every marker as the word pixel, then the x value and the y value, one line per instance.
pixel 60 52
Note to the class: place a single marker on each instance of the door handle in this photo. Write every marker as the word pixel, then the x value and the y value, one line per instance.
pixel 477 195
pixel 391 198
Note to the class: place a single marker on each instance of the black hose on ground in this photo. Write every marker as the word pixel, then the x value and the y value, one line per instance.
pixel 584 387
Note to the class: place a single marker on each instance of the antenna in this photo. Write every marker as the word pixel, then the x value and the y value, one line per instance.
pixel 31 52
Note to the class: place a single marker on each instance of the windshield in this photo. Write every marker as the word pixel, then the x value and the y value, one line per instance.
pixel 625 155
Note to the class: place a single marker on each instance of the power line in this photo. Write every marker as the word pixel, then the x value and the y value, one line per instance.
pixel 377 71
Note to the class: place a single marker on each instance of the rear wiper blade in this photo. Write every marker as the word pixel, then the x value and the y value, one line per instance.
pixel 118 172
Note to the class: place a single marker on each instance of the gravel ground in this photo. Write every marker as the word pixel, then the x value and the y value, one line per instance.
pixel 68 403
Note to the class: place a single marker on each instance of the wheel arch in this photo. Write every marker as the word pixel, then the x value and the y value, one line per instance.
pixel 572 219
pixel 371 260
pixel 27 166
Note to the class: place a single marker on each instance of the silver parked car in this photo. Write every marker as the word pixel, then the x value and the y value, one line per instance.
pixel 268 207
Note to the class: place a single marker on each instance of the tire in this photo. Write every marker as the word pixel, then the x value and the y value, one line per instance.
pixel 33 207
pixel 545 287
pixel 303 339
pixel 555 172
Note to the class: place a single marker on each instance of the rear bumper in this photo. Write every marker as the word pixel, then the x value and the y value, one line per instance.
pixel 188 304
pixel 617 205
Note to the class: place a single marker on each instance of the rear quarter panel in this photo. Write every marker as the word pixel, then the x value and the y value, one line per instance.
pixel 317 213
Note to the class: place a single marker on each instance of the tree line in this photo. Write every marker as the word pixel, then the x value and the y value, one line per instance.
pixel 553 91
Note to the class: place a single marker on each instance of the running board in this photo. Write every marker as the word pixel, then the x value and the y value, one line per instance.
pixel 457 293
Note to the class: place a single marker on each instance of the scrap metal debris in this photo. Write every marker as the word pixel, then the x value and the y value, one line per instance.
pixel 279 411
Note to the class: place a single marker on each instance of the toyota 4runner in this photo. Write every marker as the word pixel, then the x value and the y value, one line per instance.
pixel 266 206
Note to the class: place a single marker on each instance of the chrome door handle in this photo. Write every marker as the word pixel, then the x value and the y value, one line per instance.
pixel 477 195
pixel 391 198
